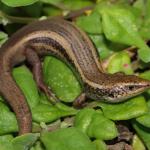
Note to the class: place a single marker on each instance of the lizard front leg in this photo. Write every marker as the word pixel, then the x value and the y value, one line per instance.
pixel 33 59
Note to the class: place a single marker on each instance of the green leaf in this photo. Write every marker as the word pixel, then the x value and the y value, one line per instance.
pixel 145 119
pixel 37 146
pixel 126 110
pixel 120 62
pixel 24 142
pixel 102 128
pixel 91 23
pixel 143 132
pixel 144 54
pixel 95 125
pixel 100 145
pixel 145 30
pixel 83 119
pixel 3 37
pixel 53 2
pixel 51 11
pixel 5 142
pixel 47 113
pixel 147 13
pixel 25 81
pixel 101 45
pixel 145 75
pixel 69 139
pixel 140 4
pixel 137 144
pixel 34 10
pixel 65 110
pixel 8 122
pixel 119 26
pixel 76 4
pixel 16 3
pixel 61 79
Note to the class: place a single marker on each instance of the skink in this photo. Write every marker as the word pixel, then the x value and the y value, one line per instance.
pixel 66 41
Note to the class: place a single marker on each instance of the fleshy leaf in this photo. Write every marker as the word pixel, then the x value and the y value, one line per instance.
pixel 120 62
pixel 143 132
pixel 100 145
pixel 69 139
pixel 137 144
pixel 53 2
pixel 145 119
pixel 25 141
pixel 61 79
pixel 144 30
pixel 83 119
pixel 8 122
pixel 5 142
pixel 16 3
pixel 101 45
pixel 25 81
pixel 47 113
pixel 3 37
pixel 101 127
pixel 91 23
pixel 37 146
pixel 95 124
pixel 76 4
pixel 119 26
pixel 126 110
pixel 146 75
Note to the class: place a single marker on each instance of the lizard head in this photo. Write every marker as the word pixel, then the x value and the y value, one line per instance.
pixel 119 87
pixel 126 87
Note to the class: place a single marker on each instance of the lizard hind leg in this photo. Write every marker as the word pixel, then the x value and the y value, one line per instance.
pixel 33 59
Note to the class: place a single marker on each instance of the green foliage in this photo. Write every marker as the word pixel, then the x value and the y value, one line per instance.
pixel 145 119
pixel 95 124
pixel 3 37
pixel 117 29
pixel 119 26
pixel 5 142
pixel 91 23
pixel 100 145
pixel 46 113
pixel 69 139
pixel 61 79
pixel 40 112
pixel 25 141
pixel 76 4
pixel 16 3
pixel 24 79
pixel 8 122
pixel 120 62
pixel 137 144
pixel 143 132
pixel 101 45
pixel 126 110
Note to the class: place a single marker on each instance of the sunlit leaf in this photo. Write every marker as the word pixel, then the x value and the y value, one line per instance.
pixel 16 3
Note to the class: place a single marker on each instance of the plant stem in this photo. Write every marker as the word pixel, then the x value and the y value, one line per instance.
pixel 13 19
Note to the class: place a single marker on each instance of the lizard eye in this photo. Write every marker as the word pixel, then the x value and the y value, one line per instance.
pixel 131 87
